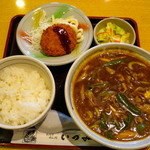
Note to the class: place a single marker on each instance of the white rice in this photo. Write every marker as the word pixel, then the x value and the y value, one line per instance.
pixel 23 95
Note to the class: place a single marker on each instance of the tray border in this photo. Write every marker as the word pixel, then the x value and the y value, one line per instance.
pixel 56 146
pixel 59 146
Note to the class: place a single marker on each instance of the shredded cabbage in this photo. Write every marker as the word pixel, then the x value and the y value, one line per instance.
pixel 41 22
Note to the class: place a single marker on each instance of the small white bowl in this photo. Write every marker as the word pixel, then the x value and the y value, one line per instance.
pixel 44 72
pixel 137 144
pixel 65 11
pixel 119 22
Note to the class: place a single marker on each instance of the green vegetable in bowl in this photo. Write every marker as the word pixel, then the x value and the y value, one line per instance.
pixel 114 62
pixel 122 99
pixel 112 33
pixel 140 128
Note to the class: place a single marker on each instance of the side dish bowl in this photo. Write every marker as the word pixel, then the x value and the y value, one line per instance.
pixel 45 12
pixel 71 105
pixel 27 91
pixel 118 31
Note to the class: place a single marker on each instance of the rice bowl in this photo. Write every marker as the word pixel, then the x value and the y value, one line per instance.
pixel 27 92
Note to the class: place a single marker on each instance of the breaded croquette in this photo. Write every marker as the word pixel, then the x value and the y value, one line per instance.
pixel 57 40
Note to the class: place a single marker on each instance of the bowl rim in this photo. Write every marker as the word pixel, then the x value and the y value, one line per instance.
pixel 114 18
pixel 64 61
pixel 52 97
pixel 109 143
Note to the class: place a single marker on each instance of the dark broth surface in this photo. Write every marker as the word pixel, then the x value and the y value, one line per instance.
pixel 111 93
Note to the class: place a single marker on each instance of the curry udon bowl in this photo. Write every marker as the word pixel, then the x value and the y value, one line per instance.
pixel 107 94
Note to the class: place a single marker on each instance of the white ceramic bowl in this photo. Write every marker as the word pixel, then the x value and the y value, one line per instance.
pixel 44 72
pixel 119 22
pixel 59 9
pixel 72 110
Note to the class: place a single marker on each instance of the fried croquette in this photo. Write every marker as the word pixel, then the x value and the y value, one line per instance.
pixel 57 40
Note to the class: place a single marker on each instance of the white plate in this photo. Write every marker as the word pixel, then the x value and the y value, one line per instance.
pixel 64 10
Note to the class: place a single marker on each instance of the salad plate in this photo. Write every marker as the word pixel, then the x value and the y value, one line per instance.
pixel 40 18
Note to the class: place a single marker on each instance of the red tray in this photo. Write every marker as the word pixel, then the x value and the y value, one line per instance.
pixel 59 73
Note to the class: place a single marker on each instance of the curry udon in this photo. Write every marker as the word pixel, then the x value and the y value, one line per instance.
pixel 111 93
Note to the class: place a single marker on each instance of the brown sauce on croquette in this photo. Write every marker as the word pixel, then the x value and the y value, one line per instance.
pixel 63 37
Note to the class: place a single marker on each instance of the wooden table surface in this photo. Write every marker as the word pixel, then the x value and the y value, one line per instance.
pixel 138 10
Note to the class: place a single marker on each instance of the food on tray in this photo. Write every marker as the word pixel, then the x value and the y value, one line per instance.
pixel 59 39
pixel 114 95
pixel 112 33
pixel 42 35
pixel 23 94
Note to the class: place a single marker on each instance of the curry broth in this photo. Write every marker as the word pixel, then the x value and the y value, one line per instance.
pixel 111 93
